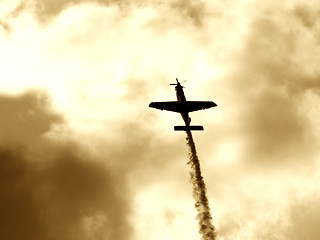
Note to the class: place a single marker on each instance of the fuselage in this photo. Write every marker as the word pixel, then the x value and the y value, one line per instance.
pixel 181 98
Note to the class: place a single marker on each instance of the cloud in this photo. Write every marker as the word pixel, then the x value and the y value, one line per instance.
pixel 26 117
pixel 5 25
pixel 61 184
pixel 102 62
pixel 194 10
pixel 8 12
pixel 275 73
pixel 268 101
pixel 307 15
pixel 303 219
pixel 50 188
pixel 48 10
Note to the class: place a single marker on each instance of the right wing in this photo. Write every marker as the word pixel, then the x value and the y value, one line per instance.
pixel 169 106
pixel 199 105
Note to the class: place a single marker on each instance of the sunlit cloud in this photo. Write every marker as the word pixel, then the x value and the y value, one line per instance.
pixel 76 82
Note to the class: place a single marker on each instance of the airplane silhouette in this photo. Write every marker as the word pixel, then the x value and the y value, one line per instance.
pixel 183 107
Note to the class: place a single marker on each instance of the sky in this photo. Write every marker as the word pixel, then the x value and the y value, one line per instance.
pixel 83 157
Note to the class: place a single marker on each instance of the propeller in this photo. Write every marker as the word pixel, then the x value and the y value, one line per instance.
pixel 177 82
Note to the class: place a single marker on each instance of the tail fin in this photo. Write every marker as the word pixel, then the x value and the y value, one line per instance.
pixel 188 128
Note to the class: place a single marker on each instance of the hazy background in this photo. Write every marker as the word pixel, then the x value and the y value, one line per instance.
pixel 83 157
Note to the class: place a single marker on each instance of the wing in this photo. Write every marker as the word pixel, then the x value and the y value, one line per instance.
pixel 169 106
pixel 199 105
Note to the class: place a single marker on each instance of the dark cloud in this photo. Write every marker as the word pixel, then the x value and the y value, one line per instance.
pixel 301 221
pixel 47 10
pixel 5 25
pixel 18 206
pixel 304 219
pixel 271 83
pixel 191 9
pixel 67 198
pixel 52 189
pixel 276 126
pixel 306 15
pixel 26 117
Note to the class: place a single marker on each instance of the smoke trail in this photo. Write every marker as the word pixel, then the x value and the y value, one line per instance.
pixel 207 229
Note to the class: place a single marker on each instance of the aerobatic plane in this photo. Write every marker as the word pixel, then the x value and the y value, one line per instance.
pixel 183 107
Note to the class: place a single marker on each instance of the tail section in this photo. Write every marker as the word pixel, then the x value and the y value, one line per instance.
pixel 188 128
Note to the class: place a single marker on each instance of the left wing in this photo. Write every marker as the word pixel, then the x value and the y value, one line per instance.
pixel 199 105
pixel 169 106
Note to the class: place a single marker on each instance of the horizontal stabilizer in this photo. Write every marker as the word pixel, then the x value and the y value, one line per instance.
pixel 188 128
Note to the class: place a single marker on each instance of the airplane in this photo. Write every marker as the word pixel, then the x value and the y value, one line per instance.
pixel 183 107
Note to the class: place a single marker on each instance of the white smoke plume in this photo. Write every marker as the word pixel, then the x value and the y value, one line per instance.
pixel 206 228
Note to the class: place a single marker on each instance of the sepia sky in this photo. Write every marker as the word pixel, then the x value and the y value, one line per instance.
pixel 82 157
